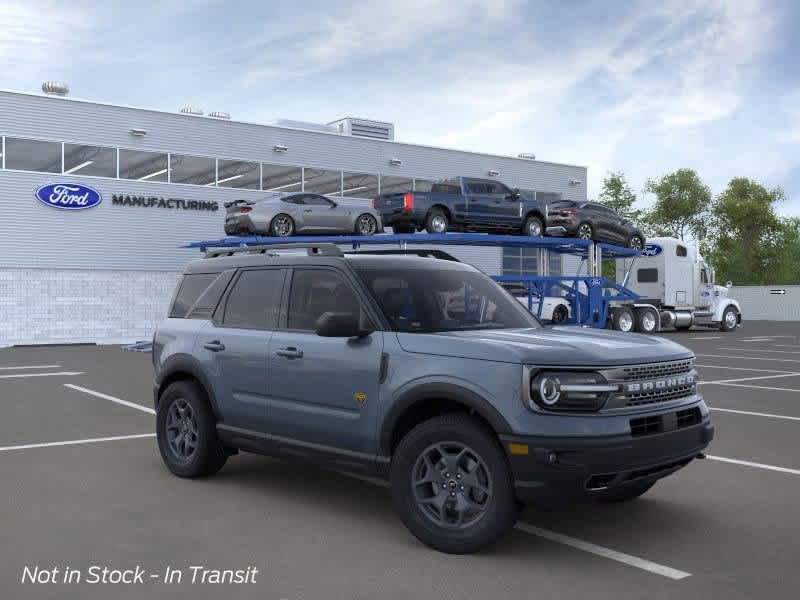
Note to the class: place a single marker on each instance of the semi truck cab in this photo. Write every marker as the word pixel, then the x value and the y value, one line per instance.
pixel 673 278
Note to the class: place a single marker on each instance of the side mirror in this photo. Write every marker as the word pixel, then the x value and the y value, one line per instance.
pixel 514 195
pixel 333 204
pixel 339 324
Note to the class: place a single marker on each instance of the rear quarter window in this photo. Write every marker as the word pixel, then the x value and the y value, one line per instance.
pixel 445 188
pixel 189 290
pixel 647 275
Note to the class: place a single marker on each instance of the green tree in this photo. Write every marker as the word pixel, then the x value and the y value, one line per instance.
pixel 618 195
pixel 749 240
pixel 681 207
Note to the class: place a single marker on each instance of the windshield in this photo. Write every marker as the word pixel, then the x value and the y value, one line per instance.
pixel 430 301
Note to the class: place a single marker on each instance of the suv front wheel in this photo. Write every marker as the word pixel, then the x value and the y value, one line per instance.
pixel 452 486
pixel 187 433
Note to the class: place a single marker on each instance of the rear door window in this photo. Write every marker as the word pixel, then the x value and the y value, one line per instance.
pixel 254 299
pixel 191 287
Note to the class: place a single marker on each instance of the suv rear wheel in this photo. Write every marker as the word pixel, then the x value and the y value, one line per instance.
pixel 452 486
pixel 186 432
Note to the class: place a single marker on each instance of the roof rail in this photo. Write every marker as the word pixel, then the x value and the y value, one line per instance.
pixel 423 252
pixel 321 249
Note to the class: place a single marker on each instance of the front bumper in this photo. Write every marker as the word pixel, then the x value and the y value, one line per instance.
pixel 559 469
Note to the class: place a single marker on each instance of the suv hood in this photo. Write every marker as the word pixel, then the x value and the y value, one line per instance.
pixel 567 346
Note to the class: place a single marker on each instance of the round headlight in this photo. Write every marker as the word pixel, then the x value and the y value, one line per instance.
pixel 549 390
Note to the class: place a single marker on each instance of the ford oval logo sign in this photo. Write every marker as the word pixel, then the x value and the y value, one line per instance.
pixel 68 196
pixel 652 250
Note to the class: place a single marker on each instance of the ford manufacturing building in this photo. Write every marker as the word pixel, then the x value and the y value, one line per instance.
pixel 106 274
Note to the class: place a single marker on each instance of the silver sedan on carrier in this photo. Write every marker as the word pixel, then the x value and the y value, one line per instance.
pixel 283 215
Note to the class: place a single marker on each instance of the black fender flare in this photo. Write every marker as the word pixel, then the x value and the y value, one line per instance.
pixel 438 391
pixel 185 363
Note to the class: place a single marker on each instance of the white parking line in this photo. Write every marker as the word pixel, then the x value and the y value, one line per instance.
pixel 747 463
pixel 794 360
pixel 146 409
pixel 705 337
pixel 30 367
pixel 763 350
pixel 77 442
pixel 760 387
pixel 60 373
pixel 730 368
pixel 627 559
pixel 754 414
pixel 721 381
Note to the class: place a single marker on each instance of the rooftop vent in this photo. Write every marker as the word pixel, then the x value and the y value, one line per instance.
pixel 216 114
pixel 376 130
pixel 55 88
pixel 192 110
pixel 527 155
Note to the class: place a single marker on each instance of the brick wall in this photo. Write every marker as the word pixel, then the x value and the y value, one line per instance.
pixel 48 306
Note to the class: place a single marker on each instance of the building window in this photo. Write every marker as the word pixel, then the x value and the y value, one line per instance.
pixel 95 161
pixel 144 166
pixel 238 174
pixel 520 261
pixel 33 155
pixel 280 178
pixel 360 185
pixel 194 170
pixel 323 181
pixel 396 185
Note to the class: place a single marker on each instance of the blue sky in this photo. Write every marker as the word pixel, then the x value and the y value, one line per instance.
pixel 641 87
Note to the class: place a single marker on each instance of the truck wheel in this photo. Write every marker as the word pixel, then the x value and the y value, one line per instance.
pixel 436 222
pixel 186 432
pixel 623 319
pixel 452 486
pixel 646 320
pixel 730 319
pixel 624 493
pixel 560 314
pixel 533 227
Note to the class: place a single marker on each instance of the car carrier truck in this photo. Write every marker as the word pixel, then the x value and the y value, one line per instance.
pixel 676 289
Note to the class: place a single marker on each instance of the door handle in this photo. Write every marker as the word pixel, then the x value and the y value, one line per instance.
pixel 307 210
pixel 215 346
pixel 290 353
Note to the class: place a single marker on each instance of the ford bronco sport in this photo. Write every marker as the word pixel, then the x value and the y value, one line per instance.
pixel 420 370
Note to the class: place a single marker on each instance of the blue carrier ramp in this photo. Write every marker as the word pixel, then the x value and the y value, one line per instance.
pixel 589 295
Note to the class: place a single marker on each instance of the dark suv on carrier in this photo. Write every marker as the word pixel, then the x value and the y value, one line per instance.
pixel 422 371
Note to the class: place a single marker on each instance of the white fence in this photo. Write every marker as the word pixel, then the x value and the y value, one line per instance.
pixel 768 302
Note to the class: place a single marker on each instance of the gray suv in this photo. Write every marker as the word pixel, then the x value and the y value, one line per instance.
pixel 420 370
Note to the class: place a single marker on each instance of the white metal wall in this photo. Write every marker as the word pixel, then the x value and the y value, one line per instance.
pixel 767 303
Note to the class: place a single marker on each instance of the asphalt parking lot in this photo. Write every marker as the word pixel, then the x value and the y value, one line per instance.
pixel 83 485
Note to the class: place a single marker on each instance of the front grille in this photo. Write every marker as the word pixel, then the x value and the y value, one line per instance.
pixel 649 371
pixel 657 396
pixel 646 425
pixel 688 417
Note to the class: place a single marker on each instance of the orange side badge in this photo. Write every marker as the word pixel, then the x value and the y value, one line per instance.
pixel 361 397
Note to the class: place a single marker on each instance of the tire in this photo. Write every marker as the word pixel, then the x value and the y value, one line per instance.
pixel 282 225
pixel 533 227
pixel 623 319
pixel 585 231
pixel 492 509
pixel 366 224
pixel 647 321
pixel 437 221
pixel 636 242
pixel 187 398
pixel 730 320
pixel 403 229
pixel 560 314
pixel 624 493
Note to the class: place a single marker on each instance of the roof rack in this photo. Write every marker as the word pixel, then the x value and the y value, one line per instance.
pixel 316 249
